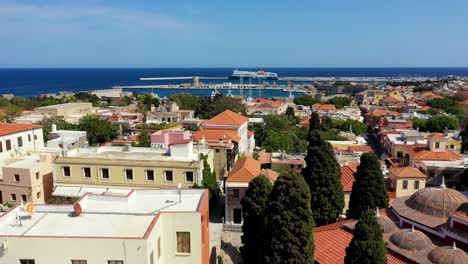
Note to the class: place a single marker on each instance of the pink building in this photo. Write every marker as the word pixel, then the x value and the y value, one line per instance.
pixel 165 138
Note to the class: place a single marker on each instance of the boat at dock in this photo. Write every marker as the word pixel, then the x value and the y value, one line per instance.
pixel 236 74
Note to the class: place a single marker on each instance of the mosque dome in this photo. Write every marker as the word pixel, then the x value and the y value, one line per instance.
pixel 448 254
pixel 411 239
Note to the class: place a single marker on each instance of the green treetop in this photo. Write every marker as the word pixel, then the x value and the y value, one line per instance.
pixel 289 222
pixel 367 245
pixel 254 211
pixel 368 188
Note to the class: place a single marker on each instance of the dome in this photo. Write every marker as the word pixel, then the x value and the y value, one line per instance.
pixel 438 202
pixel 387 226
pixel 448 254
pixel 410 239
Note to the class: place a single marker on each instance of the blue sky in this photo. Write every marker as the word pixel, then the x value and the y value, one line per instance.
pixel 255 33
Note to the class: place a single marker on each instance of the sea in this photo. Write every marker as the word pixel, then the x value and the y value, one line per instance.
pixel 30 82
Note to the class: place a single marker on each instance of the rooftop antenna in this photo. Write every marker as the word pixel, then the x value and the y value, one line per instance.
pixel 179 186
pixel 442 185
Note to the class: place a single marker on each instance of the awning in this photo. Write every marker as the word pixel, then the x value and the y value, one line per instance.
pixel 77 191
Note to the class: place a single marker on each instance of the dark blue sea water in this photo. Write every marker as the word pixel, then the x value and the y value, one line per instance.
pixel 31 82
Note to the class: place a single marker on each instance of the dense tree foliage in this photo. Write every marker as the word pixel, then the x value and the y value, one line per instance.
pixel 340 101
pixel 155 126
pixel 306 100
pixel 358 128
pixel 368 188
pixel 289 222
pixel 254 205
pixel 289 111
pixel 97 130
pixel 59 121
pixel 422 89
pixel 209 180
pixel 367 245
pixel 144 140
pixel 323 175
pixel 210 107
pixel 145 101
pixel 280 132
pixel 186 101
pixel 464 138
pixel 446 104
pixel 435 123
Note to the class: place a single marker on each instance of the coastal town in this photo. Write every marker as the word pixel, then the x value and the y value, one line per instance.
pixel 351 170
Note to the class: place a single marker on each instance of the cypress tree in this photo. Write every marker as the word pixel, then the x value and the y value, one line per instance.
pixel 368 188
pixel 327 123
pixel 314 122
pixel 367 245
pixel 323 175
pixel 289 222
pixel 254 206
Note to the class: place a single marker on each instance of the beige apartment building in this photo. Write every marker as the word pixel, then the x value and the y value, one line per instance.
pixel 140 227
pixel 128 167
pixel 28 179
pixel 66 109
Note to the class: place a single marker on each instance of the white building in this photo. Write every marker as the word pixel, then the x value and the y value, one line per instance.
pixel 145 226
pixel 19 139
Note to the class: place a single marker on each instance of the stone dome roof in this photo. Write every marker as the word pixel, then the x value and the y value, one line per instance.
pixel 438 202
pixel 448 254
pixel 411 239
pixel 387 226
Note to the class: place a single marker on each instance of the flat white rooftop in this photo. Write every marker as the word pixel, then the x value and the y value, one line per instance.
pixel 134 153
pixel 102 216
pixel 26 162
pixel 58 106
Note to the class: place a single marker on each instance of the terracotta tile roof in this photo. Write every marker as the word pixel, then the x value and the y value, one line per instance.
pixel 360 148
pixel 179 142
pixel 264 157
pixel 436 136
pixel 422 153
pixel 6 129
pixel 324 107
pixel 429 96
pixel 406 172
pixel 304 121
pixel 464 102
pixel 244 170
pixel 270 174
pixel 215 134
pixel 425 108
pixel 389 99
pixel 227 117
pixel 380 112
pixel 332 240
pixel 410 102
pixel 275 104
pixel 461 215
pixel 347 177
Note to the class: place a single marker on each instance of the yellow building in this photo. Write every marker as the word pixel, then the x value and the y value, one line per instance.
pixel 397 95
pixel 405 181
pixel 377 98
pixel 128 167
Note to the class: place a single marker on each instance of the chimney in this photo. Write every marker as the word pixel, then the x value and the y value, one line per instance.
pixel 54 128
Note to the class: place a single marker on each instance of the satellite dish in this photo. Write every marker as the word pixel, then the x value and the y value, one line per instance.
pixel 77 208
pixel 3 248
pixel 29 208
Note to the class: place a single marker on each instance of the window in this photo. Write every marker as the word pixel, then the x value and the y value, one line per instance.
pixel 16 177
pixel 437 145
pixel 35 137
pixel 236 193
pixel 66 171
pixel 1 146
pixel 37 175
pixel 38 195
pixel 13 197
pixel 105 173
pixel 168 176
pixel 115 262
pixel 27 261
pixel 29 137
pixel 8 144
pixel 416 185
pixel 87 172
pixel 129 175
pixel 79 262
pixel 189 176
pixel 405 184
pixel 150 175
pixel 24 198
pixel 183 242
pixel 20 141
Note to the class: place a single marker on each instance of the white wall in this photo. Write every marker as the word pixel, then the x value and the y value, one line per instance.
pixel 28 146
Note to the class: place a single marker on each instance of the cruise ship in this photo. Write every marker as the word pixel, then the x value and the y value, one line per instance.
pixel 236 74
